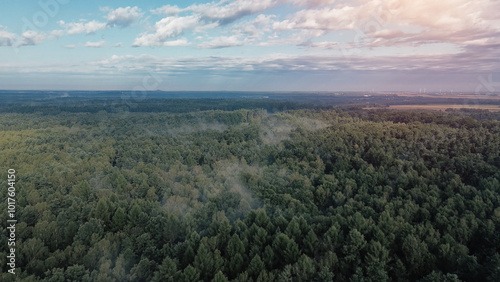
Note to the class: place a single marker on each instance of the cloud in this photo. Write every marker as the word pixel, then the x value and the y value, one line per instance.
pixel 461 62
pixel 221 42
pixel 398 22
pixel 123 17
pixel 6 38
pixel 312 3
pixel 223 11
pixel 70 46
pixel 201 17
pixel 254 28
pixel 234 10
pixel 57 33
pixel 321 44
pixel 30 37
pixel 371 23
pixel 450 14
pixel 388 33
pixel 178 42
pixel 365 27
pixel 97 44
pixel 322 19
pixel 167 10
pixel 167 28
pixel 285 63
pixel 281 71
pixel 299 38
pixel 82 27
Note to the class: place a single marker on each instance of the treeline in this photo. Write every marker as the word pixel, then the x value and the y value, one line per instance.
pixel 109 105
pixel 246 195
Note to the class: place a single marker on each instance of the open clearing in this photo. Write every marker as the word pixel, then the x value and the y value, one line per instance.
pixel 455 96
pixel 493 108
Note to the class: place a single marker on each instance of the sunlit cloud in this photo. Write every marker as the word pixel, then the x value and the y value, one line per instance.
pixel 227 12
pixel 176 43
pixel 6 38
pixel 30 38
pixel 387 23
pixel 222 42
pixel 254 28
pixel 82 27
pixel 245 36
pixel 97 44
pixel 167 10
pixel 275 62
pixel 312 3
pixel 203 17
pixel 165 29
pixel 57 33
pixel 123 17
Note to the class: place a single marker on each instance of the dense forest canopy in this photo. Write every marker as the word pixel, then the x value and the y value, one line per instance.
pixel 252 193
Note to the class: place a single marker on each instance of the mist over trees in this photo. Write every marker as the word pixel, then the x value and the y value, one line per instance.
pixel 250 194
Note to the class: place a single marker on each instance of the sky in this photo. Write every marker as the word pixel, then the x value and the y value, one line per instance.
pixel 251 45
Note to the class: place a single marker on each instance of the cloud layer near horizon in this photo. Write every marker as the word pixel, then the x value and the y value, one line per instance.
pixel 273 35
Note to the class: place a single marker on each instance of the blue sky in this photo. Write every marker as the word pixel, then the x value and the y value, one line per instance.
pixel 277 45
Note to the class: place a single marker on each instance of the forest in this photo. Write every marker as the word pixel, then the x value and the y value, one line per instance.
pixel 188 190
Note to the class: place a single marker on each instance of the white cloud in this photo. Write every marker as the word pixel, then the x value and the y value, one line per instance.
pixel 137 65
pixel 167 10
pixel 31 37
pixel 254 28
pixel 57 33
pixel 284 62
pixel 6 38
pixel 82 27
pixel 221 42
pixel 70 46
pixel 124 17
pixel 121 17
pixel 175 43
pixel 201 17
pixel 299 38
pixel 454 14
pixel 166 28
pixel 223 11
pixel 97 44
pixel 312 3
pixel 321 44
pixel 373 23
pixel 386 23
pixel 322 19
pixel 226 12
pixel 366 26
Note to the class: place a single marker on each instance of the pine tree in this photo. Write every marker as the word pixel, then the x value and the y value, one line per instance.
pixel 223 235
pixel 191 274
pixel 203 261
pixel 119 220
pixel 167 271
pixel 304 269
pixel 286 274
pixel 268 257
pixel 143 271
pixel 220 277
pixel 255 267
pixel 311 243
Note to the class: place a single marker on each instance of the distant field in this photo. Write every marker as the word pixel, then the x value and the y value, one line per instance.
pixel 455 96
pixel 493 108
